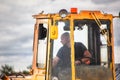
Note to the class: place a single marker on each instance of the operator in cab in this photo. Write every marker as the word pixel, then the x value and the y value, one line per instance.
pixel 82 55
pixel 63 57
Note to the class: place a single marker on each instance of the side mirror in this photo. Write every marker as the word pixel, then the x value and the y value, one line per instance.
pixel 119 14
pixel 53 32
pixel 42 32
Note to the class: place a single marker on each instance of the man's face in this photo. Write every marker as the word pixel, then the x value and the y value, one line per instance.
pixel 64 40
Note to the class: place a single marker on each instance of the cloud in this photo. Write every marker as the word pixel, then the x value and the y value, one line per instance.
pixel 15 39
pixel 16 33
pixel 104 1
pixel 116 27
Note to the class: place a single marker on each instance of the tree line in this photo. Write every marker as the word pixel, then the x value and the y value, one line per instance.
pixel 9 71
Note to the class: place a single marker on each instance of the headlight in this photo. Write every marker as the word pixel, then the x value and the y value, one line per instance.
pixel 63 13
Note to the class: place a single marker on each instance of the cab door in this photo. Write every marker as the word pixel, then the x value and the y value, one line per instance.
pixel 40 46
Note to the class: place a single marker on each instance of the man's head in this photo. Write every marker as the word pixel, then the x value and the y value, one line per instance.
pixel 65 38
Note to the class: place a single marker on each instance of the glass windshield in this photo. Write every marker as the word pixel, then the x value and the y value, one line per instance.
pixel 103 47
pixel 42 46
pixel 62 54
pixel 83 35
pixel 91 50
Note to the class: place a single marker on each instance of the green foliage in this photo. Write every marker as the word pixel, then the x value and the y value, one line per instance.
pixel 29 67
pixel 7 69
pixel 25 72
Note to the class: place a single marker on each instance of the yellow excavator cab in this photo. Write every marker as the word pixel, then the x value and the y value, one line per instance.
pixel 92 28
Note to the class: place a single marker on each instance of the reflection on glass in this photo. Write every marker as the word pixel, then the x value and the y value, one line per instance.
pixel 41 53
pixel 103 37
pixel 103 48
pixel 104 54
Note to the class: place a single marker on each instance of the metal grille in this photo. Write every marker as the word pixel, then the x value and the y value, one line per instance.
pixel 118 75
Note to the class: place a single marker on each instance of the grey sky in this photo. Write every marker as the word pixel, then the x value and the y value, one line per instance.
pixel 104 1
pixel 16 24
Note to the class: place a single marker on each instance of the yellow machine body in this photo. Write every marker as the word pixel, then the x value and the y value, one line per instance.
pixel 92 25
